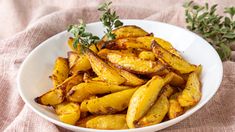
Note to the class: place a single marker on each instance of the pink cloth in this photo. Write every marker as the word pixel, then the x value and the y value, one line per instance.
pixel 25 24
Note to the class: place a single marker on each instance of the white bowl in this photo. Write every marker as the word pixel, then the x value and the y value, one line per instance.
pixel 33 75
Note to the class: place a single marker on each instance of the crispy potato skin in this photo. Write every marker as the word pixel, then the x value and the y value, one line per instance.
pixel 175 108
pixel 135 64
pixel 108 122
pixel 131 79
pixel 127 31
pixel 53 97
pixel 60 71
pixel 110 103
pixel 143 99
pixel 174 61
pixel 156 114
pixel 84 90
pixel 103 70
pixel 147 55
pixel 191 95
pixel 82 64
pixel 68 112
pixel 147 41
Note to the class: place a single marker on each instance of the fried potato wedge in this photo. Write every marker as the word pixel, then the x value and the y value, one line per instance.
pixel 147 55
pixel 110 103
pixel 84 90
pixel 82 64
pixel 53 97
pixel 143 99
pixel 175 108
pixel 127 31
pixel 147 41
pixel 73 81
pixel 135 64
pixel 68 112
pixel 175 79
pixel 131 79
pixel 191 94
pixel 82 122
pixel 104 52
pixel 72 58
pixel 108 122
pixel 60 71
pixel 103 70
pixel 156 114
pixel 174 61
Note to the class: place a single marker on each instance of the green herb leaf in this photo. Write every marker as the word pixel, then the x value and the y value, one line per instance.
pixel 80 36
pixel 218 30
pixel 109 19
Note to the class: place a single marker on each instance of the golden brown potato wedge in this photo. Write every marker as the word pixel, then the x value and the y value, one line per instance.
pixel 60 71
pixel 156 114
pixel 147 41
pixel 143 99
pixel 68 112
pixel 82 64
pixel 103 70
pixel 72 58
pixel 73 81
pixel 108 122
pixel 127 31
pixel 84 90
pixel 110 103
pixel 175 108
pixel 135 64
pixel 104 52
pixel 147 55
pixel 53 97
pixel 131 79
pixel 191 94
pixel 174 61
pixel 175 79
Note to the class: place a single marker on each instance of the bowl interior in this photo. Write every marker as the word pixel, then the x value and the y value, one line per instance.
pixel 33 75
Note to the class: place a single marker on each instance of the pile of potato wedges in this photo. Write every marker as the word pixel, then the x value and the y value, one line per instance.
pixel 135 80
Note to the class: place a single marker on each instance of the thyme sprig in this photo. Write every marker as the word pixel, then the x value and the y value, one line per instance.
pixel 218 30
pixel 109 19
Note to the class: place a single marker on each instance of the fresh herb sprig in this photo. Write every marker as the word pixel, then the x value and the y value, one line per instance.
pixel 109 19
pixel 218 30
pixel 80 36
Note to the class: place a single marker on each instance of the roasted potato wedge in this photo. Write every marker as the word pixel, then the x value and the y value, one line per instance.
pixel 143 99
pixel 174 61
pixel 135 64
pixel 104 52
pixel 110 103
pixel 147 55
pixel 53 97
pixel 175 79
pixel 109 122
pixel 60 71
pixel 131 79
pixel 82 64
pixel 191 94
pixel 84 90
pixel 175 108
pixel 73 81
pixel 103 70
pixel 68 112
pixel 82 122
pixel 72 58
pixel 127 31
pixel 156 114
pixel 147 41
